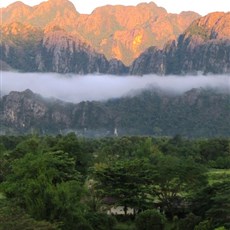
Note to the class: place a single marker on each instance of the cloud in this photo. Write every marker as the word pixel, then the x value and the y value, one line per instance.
pixel 76 88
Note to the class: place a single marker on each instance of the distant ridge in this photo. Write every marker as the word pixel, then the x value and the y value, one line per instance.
pixel 196 113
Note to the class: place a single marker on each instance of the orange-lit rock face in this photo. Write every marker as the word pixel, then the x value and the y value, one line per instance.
pixel 213 26
pixel 20 32
pixel 124 32
pixel 121 32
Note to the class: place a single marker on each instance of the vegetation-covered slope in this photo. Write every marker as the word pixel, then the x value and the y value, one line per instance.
pixel 196 113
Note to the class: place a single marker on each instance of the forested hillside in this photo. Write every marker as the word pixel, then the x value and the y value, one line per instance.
pixel 196 113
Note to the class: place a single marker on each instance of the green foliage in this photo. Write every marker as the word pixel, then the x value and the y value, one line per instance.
pixel 83 226
pixel 189 222
pixel 218 175
pixel 14 218
pixel 220 228
pixel 150 220
pixel 125 226
pixel 101 221
pixel 75 148
pixel 46 185
pixel 42 182
pixel 220 204
pixel 213 202
pixel 124 181
pixel 174 179
pixel 211 149
pixel 204 225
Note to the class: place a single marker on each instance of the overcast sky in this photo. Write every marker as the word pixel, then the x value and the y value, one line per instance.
pixel 202 7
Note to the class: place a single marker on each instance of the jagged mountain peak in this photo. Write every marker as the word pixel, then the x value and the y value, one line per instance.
pixel 17 4
pixel 120 32
pixel 64 4
pixel 47 12
pixel 28 93
pixel 215 25
pixel 17 11
pixel 61 3
pixel 40 15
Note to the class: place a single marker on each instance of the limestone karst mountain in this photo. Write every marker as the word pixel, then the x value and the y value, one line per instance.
pixel 142 39
pixel 196 113
pixel 203 47
pixel 121 32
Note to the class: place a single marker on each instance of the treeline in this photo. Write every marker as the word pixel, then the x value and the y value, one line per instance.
pixel 71 182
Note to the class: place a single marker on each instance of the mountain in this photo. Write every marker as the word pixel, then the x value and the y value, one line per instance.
pixel 136 40
pixel 124 32
pixel 48 12
pixel 196 113
pixel 203 47
pixel 117 32
pixel 31 49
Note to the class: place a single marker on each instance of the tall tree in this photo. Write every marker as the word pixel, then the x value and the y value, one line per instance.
pixel 46 185
pixel 124 181
pixel 174 179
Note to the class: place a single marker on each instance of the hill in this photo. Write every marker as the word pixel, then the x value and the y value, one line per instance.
pixel 196 113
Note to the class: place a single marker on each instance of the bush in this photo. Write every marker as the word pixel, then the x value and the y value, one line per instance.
pixel 150 220
pixel 84 226
pixel 204 225
pixel 101 221
pixel 189 222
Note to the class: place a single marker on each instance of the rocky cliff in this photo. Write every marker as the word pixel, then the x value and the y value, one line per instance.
pixel 117 32
pixel 196 113
pixel 204 47
pixel 29 48
pixel 54 37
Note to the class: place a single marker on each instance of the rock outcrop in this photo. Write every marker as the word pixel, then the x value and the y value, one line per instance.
pixel 111 37
pixel 196 113
pixel 31 49
pixel 118 32
pixel 204 47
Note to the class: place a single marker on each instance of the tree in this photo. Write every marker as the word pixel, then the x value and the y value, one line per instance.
pixel 204 225
pixel 220 208
pixel 72 145
pixel 13 217
pixel 124 181
pixel 189 222
pixel 101 221
pixel 213 202
pixel 173 179
pixel 149 220
pixel 47 186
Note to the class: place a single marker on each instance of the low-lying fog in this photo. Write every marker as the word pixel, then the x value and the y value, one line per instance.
pixel 75 88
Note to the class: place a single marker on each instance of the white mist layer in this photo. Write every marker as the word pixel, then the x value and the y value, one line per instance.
pixel 76 88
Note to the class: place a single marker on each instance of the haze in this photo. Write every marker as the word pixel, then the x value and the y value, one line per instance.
pixel 75 88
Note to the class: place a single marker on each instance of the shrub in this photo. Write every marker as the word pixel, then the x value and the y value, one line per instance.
pixel 150 220
pixel 101 221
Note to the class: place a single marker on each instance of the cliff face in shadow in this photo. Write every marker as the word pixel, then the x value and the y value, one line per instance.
pixel 196 113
